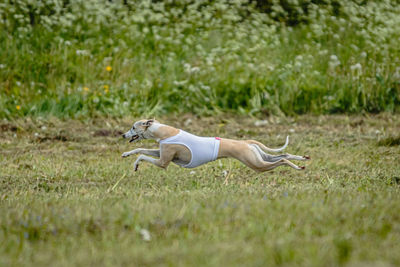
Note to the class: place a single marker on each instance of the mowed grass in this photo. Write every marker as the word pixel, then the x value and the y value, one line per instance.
pixel 67 198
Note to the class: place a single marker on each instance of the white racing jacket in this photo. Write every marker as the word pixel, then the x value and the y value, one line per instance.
pixel 203 149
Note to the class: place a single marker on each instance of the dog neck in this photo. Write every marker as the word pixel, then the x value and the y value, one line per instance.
pixel 159 131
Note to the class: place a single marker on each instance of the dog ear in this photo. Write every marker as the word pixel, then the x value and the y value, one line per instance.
pixel 148 123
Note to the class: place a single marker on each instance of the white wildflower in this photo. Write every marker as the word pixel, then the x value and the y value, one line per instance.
pixel 82 52
pixel 194 69
pixel 180 83
pixel 261 123
pixel 145 235
pixel 396 74
pixel 288 66
pixel 323 52
pixel 334 62
pixel 354 47
pixel 334 58
pixel 205 87
pixel 329 98
pixel 299 58
pixel 270 67
pixel 187 67
pixel 356 67
pixel 107 60
pixel 316 73
pixel 147 83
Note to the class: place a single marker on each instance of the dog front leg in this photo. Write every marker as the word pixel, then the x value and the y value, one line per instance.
pixel 162 162
pixel 167 155
pixel 150 152
pixel 145 158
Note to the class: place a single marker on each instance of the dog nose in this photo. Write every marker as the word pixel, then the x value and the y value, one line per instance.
pixel 123 136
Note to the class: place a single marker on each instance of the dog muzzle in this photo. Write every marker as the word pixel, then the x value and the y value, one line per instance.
pixel 133 135
pixel 133 138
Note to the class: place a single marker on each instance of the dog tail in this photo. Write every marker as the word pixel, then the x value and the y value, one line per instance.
pixel 267 149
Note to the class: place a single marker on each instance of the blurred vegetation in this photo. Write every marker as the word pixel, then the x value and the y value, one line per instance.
pixel 94 58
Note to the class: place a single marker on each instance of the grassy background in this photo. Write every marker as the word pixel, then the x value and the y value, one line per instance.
pixel 96 58
pixel 61 202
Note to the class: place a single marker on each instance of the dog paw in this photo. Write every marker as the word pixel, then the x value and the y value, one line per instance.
pixel 302 167
pixel 307 157
pixel 136 166
pixel 125 154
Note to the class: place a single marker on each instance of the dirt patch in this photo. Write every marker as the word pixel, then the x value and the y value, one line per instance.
pixel 390 141
pixel 357 123
pixel 59 137
pixel 8 127
pixel 395 180
pixel 105 132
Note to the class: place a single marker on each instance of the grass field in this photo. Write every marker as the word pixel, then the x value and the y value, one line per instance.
pixel 67 198
pixel 72 71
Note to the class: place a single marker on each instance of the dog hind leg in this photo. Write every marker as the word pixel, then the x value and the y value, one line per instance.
pixel 270 166
pixel 273 158
pixel 267 149
pixel 254 159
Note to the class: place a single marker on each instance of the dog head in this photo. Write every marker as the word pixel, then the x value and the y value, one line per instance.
pixel 139 130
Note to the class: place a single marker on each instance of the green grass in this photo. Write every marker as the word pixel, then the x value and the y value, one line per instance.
pixel 201 57
pixel 61 203
pixel 72 71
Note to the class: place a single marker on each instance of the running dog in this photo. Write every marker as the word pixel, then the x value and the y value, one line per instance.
pixel 189 151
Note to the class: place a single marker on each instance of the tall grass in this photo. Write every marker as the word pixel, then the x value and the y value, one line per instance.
pixel 80 58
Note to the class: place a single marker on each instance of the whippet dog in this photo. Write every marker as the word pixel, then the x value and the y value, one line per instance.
pixel 189 151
